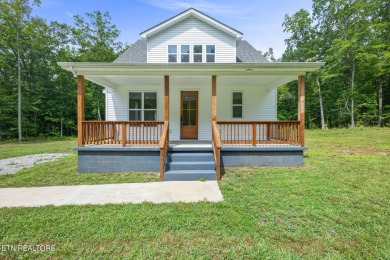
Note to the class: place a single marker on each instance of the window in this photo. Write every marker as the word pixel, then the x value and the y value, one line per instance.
pixel 237 104
pixel 172 53
pixel 210 53
pixel 197 53
pixel 142 106
pixel 185 53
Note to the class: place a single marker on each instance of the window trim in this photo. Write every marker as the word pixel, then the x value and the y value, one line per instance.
pixel 172 53
pixel 142 109
pixel 197 53
pixel 213 54
pixel 238 105
pixel 189 53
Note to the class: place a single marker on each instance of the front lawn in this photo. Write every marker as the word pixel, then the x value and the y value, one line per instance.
pixel 10 149
pixel 335 206
pixel 59 172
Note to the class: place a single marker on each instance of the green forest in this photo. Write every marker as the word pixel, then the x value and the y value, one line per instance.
pixel 352 89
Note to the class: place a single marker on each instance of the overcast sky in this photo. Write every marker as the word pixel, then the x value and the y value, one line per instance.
pixel 259 20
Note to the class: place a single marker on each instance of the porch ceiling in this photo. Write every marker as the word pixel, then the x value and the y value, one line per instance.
pixel 268 74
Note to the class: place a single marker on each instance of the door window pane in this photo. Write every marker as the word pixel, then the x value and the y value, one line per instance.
pixel 192 120
pixel 193 102
pixel 186 103
pixel 185 119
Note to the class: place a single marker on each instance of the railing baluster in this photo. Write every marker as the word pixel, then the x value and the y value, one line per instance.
pixel 259 132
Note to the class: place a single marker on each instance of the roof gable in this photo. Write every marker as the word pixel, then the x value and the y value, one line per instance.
pixel 191 13
pixel 136 53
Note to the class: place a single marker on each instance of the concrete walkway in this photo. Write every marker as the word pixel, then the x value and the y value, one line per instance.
pixel 155 192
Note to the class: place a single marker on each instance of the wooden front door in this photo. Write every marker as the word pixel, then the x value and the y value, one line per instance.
pixel 189 115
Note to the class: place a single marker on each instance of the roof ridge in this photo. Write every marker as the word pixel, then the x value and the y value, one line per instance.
pixel 196 11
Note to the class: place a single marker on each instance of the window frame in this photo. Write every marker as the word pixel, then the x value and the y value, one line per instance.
pixel 197 53
pixel 212 54
pixel 143 109
pixel 187 54
pixel 238 105
pixel 172 53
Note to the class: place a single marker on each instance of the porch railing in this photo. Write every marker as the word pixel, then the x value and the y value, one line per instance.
pixel 164 146
pixel 122 132
pixel 259 132
pixel 216 143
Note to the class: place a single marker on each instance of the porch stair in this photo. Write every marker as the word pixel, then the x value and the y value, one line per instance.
pixel 189 166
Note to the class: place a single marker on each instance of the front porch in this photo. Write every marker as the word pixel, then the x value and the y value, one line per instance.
pixel 138 145
pixel 118 146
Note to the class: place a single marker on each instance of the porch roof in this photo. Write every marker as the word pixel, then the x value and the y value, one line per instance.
pixel 103 73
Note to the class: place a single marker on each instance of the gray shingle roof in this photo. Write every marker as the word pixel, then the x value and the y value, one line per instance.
pixel 136 53
pixel 247 53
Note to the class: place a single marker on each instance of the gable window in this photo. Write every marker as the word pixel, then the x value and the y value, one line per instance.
pixel 237 104
pixel 142 106
pixel 172 53
pixel 197 53
pixel 210 53
pixel 185 53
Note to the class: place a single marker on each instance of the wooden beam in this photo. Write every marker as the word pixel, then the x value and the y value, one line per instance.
pixel 80 109
pixel 213 98
pixel 166 98
pixel 301 109
pixel 254 131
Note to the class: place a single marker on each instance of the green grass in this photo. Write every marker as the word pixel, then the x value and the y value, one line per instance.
pixel 336 206
pixel 64 172
pixel 10 149
pixel 59 172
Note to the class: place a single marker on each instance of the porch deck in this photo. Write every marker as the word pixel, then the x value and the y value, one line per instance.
pixel 147 158
pixel 117 146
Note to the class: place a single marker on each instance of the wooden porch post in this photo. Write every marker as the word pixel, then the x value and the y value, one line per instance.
pixel 213 98
pixel 80 109
pixel 301 109
pixel 166 98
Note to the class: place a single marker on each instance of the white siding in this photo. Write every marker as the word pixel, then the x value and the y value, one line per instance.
pixel 192 31
pixel 117 101
pixel 258 102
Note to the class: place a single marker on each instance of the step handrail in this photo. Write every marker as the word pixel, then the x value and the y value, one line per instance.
pixel 164 146
pixel 216 142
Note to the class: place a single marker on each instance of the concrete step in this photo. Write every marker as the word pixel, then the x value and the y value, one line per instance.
pixel 190 157
pixel 189 175
pixel 207 165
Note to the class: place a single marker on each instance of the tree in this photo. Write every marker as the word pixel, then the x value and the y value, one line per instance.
pixel 95 40
pixel 14 15
pixel 303 45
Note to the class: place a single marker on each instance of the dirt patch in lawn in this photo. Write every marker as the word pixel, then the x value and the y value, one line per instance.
pixel 15 164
